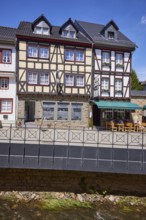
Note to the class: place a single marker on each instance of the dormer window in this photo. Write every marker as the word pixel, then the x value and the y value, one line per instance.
pixel 68 29
pixel 111 35
pixel 41 30
pixel 69 34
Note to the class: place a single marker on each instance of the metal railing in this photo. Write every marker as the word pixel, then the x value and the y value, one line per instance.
pixel 74 137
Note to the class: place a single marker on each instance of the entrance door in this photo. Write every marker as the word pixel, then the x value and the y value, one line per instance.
pixel 29 111
pixel 96 116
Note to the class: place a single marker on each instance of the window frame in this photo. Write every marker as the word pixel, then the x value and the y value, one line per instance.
pixel 68 105
pixel 118 93
pixel 78 104
pixel 6 99
pixel 1 55
pixel 67 34
pixel 106 60
pixel 39 75
pixel 5 78
pixel 67 74
pixel 49 103
pixel 43 47
pixel 63 103
pixel 32 72
pixel 111 33
pixel 42 30
pixel 79 75
pixel 104 78
pixel 74 51
pixel 38 47
pixel 121 64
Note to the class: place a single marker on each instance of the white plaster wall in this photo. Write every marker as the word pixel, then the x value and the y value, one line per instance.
pixel 11 94
pixel 9 67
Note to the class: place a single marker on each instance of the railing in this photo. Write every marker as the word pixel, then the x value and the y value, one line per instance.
pixel 74 137
pixel 73 149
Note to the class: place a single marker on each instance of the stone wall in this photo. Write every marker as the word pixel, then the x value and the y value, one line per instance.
pixel 71 181
pixel 39 111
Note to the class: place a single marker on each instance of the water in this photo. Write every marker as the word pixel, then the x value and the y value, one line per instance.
pixel 10 210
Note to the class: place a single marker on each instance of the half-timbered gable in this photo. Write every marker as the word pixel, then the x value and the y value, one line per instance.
pixel 7 76
pixel 112 56
pixel 53 66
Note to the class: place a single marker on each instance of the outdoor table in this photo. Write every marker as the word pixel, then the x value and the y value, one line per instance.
pixel 120 127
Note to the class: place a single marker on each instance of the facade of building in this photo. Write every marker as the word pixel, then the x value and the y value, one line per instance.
pixel 54 74
pixel 66 74
pixel 112 72
pixel 8 97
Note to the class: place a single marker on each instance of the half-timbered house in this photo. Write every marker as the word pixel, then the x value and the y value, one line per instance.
pixel 8 100
pixel 112 71
pixel 54 68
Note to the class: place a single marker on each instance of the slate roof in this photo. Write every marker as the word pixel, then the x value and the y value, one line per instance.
pixel 7 34
pixel 25 29
pixel 138 93
pixel 94 32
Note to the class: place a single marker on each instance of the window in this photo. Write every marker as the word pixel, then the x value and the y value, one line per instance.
pixel 80 81
pixel 118 87
pixel 69 55
pixel 44 78
pixel 105 58
pixel 43 52
pixel 6 56
pixel 107 114
pixel 62 111
pixel 48 110
pixel 4 83
pixel 74 55
pixel 80 55
pixel 42 30
pixel 32 78
pixel 119 59
pixel 38 52
pixel 32 51
pixel 69 80
pixel 76 111
pixel 74 80
pixel 105 84
pixel 111 35
pixel 6 106
pixel 69 34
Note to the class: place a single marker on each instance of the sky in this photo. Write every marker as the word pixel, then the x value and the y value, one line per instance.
pixel 129 15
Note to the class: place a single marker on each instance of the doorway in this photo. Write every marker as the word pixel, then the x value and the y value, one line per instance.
pixel 96 116
pixel 29 111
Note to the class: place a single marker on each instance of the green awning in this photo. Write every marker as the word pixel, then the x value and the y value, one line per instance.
pixel 116 105
pixel 144 107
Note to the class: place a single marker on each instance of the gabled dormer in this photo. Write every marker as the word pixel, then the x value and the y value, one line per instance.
pixel 42 26
pixel 110 30
pixel 68 29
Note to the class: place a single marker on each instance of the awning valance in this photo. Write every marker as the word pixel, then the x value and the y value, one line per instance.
pixel 116 105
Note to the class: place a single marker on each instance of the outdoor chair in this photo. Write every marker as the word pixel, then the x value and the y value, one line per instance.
pixel 110 125
pixel 129 126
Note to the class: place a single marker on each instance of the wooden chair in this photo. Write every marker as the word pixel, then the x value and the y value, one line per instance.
pixel 110 125
pixel 129 126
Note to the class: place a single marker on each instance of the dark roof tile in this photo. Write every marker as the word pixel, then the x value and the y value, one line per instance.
pixel 94 32
pixel 25 29
pixel 7 33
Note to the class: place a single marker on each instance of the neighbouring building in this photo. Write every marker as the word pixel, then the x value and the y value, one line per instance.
pixel 54 73
pixel 112 52
pixel 8 97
